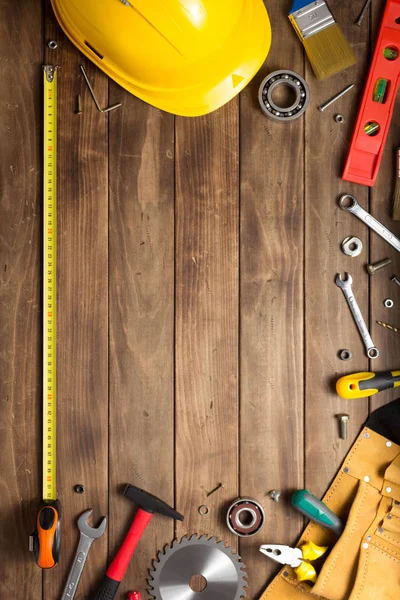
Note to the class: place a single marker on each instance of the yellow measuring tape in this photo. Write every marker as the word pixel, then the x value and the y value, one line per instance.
pixel 49 282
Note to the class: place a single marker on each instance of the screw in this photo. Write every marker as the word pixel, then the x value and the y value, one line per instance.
pixel 79 489
pixel 373 268
pixel 79 105
pixel 363 13
pixel 275 495
pixel 343 420
pixel 52 44
pixel 396 280
pixel 219 486
pixel 334 98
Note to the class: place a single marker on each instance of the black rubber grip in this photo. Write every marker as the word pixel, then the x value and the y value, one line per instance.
pixel 107 589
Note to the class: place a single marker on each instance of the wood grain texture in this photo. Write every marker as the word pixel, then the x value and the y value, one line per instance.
pixel 271 313
pixel 141 255
pixel 381 202
pixel 20 292
pixel 207 277
pixel 82 336
pixel 328 321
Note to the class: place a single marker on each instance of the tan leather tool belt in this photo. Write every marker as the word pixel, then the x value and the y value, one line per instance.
pixel 364 563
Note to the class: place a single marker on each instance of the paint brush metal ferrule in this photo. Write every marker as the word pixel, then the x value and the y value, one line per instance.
pixel 312 19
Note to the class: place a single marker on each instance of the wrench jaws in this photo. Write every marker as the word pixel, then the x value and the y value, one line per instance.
pixel 87 536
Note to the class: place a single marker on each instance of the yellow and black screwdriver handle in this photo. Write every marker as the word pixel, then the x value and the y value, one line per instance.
pixel 361 385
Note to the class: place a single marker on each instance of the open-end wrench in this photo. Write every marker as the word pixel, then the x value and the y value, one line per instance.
pixel 349 203
pixel 88 535
pixel 345 286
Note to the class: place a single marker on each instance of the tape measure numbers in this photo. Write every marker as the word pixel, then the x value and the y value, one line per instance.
pixel 49 282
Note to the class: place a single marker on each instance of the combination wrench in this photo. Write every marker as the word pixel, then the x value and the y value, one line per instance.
pixel 345 286
pixel 87 537
pixel 349 203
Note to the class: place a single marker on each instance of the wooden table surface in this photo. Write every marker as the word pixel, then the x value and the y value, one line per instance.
pixel 199 324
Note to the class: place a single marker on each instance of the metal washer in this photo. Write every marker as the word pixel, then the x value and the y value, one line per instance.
pixel 292 80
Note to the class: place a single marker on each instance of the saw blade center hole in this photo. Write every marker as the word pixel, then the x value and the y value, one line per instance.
pixel 198 583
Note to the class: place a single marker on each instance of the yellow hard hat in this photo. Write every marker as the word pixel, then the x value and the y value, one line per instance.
pixel 188 57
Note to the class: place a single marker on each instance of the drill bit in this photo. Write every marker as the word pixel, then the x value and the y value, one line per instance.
pixel 388 326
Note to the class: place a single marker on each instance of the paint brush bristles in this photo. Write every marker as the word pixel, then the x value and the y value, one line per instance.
pixel 396 196
pixel 326 47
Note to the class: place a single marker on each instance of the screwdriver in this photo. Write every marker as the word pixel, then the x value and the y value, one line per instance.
pixel 308 505
pixel 361 385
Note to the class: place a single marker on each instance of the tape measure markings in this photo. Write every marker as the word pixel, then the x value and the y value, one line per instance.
pixel 49 281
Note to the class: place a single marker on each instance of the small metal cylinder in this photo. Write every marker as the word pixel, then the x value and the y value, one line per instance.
pixel 343 420
pixel 373 268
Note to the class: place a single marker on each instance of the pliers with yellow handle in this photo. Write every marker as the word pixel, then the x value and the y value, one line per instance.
pixel 297 558
pixel 361 385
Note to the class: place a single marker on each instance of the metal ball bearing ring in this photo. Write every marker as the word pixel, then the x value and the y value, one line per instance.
pixel 292 80
pixel 245 517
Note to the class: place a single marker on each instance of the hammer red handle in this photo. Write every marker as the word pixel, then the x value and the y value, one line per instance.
pixel 116 571
pixel 121 560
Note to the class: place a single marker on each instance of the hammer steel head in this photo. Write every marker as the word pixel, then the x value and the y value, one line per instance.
pixel 150 503
pixel 346 282
pixel 88 530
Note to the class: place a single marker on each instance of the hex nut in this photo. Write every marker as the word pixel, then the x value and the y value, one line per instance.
pixel 339 118
pixel 345 354
pixel 79 488
pixel 52 44
pixel 388 303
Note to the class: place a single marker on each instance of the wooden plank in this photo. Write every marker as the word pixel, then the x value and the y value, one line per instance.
pixel 82 425
pixel 21 54
pixel 271 275
pixel 141 320
pixel 329 324
pixel 387 341
pixel 207 318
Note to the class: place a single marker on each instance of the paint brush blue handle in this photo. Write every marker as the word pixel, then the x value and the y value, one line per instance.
pixel 298 4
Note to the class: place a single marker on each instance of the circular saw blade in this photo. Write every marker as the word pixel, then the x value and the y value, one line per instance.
pixel 174 567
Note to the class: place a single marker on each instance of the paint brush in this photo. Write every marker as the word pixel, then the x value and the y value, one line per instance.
pixel 396 196
pixel 326 47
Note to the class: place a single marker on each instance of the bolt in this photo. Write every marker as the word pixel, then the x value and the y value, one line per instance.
pixel 275 495
pixel 343 420
pixel 79 105
pixel 373 268
pixel 396 280
pixel 332 100
pixel 79 489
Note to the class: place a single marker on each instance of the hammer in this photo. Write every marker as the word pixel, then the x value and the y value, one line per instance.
pixel 148 505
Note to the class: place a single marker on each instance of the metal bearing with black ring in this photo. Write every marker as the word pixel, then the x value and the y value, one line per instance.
pixel 245 517
pixel 299 94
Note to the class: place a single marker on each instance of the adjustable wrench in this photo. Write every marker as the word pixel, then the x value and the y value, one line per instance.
pixel 345 286
pixel 88 535
pixel 349 203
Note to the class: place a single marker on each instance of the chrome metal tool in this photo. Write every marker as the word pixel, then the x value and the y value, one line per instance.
pixel 349 203
pixel 297 558
pixel 221 570
pixel 345 286
pixel 87 537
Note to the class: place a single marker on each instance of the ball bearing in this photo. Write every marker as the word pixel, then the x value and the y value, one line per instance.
pixel 295 83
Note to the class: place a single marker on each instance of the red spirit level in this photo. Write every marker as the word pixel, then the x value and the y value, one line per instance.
pixel 376 110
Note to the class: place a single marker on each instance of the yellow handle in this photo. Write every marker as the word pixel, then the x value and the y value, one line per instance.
pixel 306 572
pixel 311 551
pixel 364 384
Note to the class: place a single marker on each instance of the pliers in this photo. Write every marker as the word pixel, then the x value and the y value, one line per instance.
pixel 297 558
